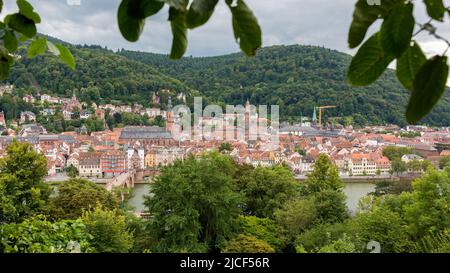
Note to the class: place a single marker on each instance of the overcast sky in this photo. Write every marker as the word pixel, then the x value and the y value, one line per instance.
pixel 309 22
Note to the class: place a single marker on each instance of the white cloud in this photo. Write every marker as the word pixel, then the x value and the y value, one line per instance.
pixel 315 22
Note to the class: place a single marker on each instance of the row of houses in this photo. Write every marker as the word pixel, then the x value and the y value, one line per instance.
pixel 110 153
pixel 111 163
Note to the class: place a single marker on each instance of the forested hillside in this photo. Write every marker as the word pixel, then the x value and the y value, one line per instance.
pixel 99 73
pixel 296 78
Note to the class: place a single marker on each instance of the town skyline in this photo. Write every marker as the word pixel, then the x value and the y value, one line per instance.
pixel 129 148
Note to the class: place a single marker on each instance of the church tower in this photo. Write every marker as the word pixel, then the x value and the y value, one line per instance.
pixel 169 116
pixel 247 120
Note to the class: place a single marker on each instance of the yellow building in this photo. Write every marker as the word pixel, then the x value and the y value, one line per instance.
pixel 150 159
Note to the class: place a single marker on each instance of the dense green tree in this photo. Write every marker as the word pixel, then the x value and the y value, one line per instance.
pixel 325 176
pixel 38 235
pixel 412 221
pixel 139 229
pixel 267 189
pixel 428 211
pixel 23 192
pixel 331 206
pixel 444 162
pixel 295 217
pixel 320 236
pixel 324 187
pixel 395 153
pixel 194 205
pixel 264 229
pixel 247 244
pixel 110 122
pixel 225 147
pixel 159 121
pixel 12 105
pixel 94 125
pixel 108 229
pixel 433 243
pixel 75 195
pixel 398 166
pixel 72 171
pixel 385 227
pixel 341 245
pixel 90 94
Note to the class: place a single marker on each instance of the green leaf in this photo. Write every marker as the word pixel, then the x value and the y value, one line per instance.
pixel 369 62
pixel 397 29
pixel 177 4
pixel 52 48
pixel 37 47
pixel 151 7
pixel 199 12
pixel 27 10
pixel 141 9
pixel 10 40
pixel 5 63
pixel 246 28
pixel 409 64
pixel 179 32
pixel 21 24
pixel 1 5
pixel 429 86
pixel 364 16
pixel 66 56
pixel 130 25
pixel 22 38
pixel 435 9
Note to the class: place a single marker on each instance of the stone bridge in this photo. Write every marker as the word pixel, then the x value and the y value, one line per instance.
pixel 130 178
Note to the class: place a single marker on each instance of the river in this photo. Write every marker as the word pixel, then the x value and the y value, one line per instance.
pixel 354 192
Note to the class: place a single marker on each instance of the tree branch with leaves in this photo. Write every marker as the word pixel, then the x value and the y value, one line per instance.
pixel 18 30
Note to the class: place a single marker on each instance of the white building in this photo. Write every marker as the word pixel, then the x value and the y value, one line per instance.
pixel 361 166
pixel 89 166
pixel 411 157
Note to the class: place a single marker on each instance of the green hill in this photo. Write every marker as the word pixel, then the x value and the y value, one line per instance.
pixel 296 78
pixel 99 73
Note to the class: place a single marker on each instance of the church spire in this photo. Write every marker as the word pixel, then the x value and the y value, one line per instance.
pixel 314 117
pixel 169 116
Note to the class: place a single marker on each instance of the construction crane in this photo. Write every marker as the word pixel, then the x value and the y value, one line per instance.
pixel 321 110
